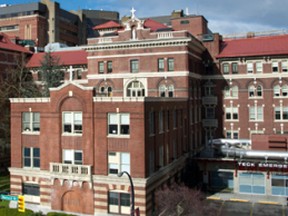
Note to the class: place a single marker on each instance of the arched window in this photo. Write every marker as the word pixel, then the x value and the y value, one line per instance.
pixel 162 91
pixel 105 91
pixel 135 89
pixel 276 90
pixel 259 91
pixel 227 91
pixel 285 91
pixel 234 92
pixel 170 90
pixel 251 90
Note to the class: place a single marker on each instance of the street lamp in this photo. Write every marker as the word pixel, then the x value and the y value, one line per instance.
pixel 132 198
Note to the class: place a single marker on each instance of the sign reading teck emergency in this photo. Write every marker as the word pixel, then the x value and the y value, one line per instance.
pixel 21 203
pixel 262 166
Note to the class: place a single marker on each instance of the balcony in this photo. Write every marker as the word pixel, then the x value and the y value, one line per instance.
pixel 210 123
pixel 70 169
pixel 209 100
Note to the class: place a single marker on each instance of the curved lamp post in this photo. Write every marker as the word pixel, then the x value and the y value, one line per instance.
pixel 132 198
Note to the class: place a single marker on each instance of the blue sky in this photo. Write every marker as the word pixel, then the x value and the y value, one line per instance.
pixel 224 16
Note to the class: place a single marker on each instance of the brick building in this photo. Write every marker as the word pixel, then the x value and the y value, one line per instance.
pixel 40 23
pixel 137 109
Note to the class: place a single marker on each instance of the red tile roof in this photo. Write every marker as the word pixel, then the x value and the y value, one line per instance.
pixel 66 58
pixel 153 25
pixel 7 44
pixel 256 46
pixel 107 25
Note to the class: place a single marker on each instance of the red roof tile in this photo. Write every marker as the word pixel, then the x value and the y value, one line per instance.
pixel 107 25
pixel 257 46
pixel 66 58
pixel 154 25
pixel 7 44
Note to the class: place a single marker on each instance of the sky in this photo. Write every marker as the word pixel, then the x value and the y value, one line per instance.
pixel 223 16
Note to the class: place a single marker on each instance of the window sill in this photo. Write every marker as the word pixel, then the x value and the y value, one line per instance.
pixel 256 97
pixel 72 134
pixel 31 168
pixel 31 132
pixel 118 136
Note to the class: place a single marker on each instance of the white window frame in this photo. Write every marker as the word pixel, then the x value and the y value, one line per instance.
pixel 118 124
pixel 256 113
pixel 232 111
pixel 259 67
pixel 31 157
pixel 284 66
pixel 118 162
pixel 30 121
pixel 70 155
pixel 75 122
pixel 234 134
pixel 250 67
pixel 276 91
pixel 275 67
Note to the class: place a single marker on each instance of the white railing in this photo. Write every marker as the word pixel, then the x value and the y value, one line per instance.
pixel 70 169
pixel 165 35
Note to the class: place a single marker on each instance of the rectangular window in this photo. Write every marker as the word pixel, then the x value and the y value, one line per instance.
pixel 31 189
pixel 250 67
pixel 31 122
pixel 210 112
pixel 31 157
pixel 170 64
pixel 225 68
pixel 232 134
pixel 231 113
pixel 275 67
pixel 109 67
pixel 256 113
pixel 234 68
pixel 134 65
pixel 119 123
pixel 160 65
pixel 101 67
pixel 161 126
pixel 119 202
pixel 72 156
pixel 259 67
pixel 284 66
pixel 72 122
pixel 118 162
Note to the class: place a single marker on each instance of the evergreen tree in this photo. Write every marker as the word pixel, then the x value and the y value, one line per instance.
pixel 50 73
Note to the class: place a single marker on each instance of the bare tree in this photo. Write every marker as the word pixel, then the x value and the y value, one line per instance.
pixel 181 200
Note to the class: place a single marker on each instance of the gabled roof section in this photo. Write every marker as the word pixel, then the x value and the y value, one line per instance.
pixel 255 46
pixel 66 58
pixel 108 25
pixel 154 25
pixel 7 44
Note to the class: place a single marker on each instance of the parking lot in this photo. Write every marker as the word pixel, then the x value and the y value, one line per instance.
pixel 235 208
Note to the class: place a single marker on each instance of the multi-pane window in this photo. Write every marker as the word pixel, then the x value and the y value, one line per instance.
pixel 234 68
pixel 284 66
pixel 118 123
pixel 284 90
pixel 72 156
pixel 161 64
pixel 101 67
pixel 109 67
pixel 119 202
pixel 210 112
pixel 225 68
pixel 252 183
pixel 250 67
pixel 256 113
pixel 31 157
pixel 30 121
pixel 259 67
pixel 231 92
pixel 276 90
pixel 280 91
pixel 162 91
pixel 72 122
pixel 279 184
pixel 134 65
pixel 135 89
pixel 232 134
pixel 231 113
pixel 275 67
pixel 118 162
pixel 281 113
pixel 31 189
pixel 255 91
pixel 170 64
